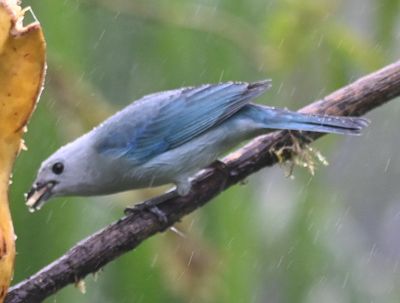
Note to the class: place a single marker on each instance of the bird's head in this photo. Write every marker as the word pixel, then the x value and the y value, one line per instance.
pixel 59 175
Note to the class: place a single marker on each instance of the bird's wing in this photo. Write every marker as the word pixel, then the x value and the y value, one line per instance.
pixel 173 118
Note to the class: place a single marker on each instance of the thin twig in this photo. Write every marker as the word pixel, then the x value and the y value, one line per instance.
pixel 96 251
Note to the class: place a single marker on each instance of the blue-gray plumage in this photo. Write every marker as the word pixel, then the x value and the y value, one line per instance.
pixel 167 137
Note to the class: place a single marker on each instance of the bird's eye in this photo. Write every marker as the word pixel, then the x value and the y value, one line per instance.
pixel 58 168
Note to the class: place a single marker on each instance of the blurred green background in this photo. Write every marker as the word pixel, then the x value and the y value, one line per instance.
pixel 333 237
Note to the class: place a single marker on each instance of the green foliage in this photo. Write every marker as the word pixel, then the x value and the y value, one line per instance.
pixel 104 54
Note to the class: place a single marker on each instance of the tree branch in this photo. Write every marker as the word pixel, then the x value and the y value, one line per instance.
pixel 94 252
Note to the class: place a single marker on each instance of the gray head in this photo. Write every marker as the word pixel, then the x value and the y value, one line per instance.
pixel 60 175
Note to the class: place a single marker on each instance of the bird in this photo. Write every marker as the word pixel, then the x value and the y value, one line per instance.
pixel 167 137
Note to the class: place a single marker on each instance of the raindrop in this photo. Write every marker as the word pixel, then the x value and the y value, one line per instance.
pixel 387 164
pixel 345 280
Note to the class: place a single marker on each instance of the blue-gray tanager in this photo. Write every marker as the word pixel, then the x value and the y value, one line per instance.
pixel 167 137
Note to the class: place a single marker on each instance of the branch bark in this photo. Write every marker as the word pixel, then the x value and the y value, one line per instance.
pixel 94 252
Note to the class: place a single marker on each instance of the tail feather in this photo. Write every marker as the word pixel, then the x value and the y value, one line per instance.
pixel 283 119
pixel 329 124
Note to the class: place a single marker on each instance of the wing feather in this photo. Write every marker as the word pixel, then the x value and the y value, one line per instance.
pixel 163 121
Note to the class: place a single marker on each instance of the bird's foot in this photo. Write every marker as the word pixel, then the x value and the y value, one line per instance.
pixel 151 206
pixel 147 207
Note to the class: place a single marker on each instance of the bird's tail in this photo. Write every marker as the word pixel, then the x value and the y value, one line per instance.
pixel 283 119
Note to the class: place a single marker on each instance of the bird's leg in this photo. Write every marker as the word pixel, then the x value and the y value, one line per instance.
pixel 152 206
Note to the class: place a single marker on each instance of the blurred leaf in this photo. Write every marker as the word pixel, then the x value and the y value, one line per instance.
pixel 388 12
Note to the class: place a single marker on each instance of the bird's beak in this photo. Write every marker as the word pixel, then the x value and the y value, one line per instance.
pixel 38 195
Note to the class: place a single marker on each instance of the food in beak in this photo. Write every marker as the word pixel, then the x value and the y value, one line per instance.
pixel 38 194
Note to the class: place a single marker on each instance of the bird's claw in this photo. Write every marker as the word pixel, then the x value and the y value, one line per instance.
pixel 147 207
pixel 151 206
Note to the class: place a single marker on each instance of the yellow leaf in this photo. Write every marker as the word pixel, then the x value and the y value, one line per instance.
pixel 22 68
